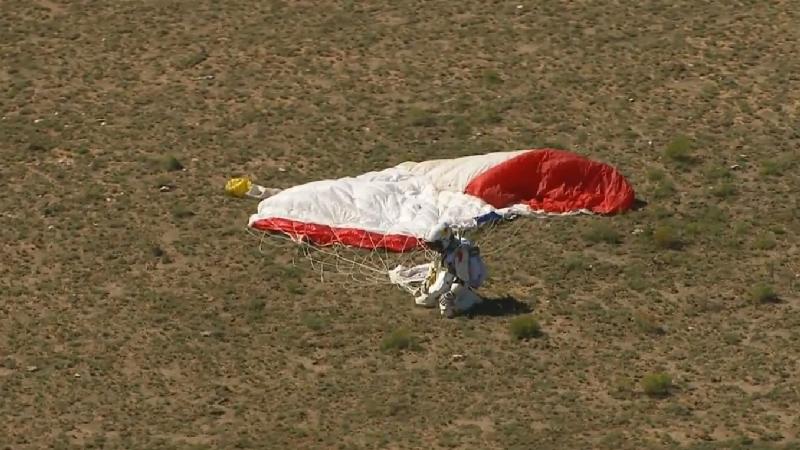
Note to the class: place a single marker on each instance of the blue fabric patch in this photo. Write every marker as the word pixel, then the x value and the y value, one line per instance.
pixel 487 218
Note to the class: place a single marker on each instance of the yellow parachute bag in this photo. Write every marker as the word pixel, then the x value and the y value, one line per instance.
pixel 238 187
pixel 241 187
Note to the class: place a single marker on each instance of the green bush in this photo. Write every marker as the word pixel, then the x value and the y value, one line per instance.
pixel 492 78
pixel 461 128
pixel 525 327
pixel 679 150
pixel 765 242
pixel 657 384
pixel 664 189
pixel 655 175
pixel 314 322
pixel 181 212
pixel 667 237
pixel 172 164
pixel 490 115
pixel 400 339
pixel 763 293
pixel 418 117
pixel 775 167
pixel 724 190
pixel 648 324
pixel 602 232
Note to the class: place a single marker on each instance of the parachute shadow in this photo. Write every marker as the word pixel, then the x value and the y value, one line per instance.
pixel 498 307
pixel 638 204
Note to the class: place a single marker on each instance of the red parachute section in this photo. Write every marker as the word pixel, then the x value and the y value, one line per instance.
pixel 555 181
pixel 327 235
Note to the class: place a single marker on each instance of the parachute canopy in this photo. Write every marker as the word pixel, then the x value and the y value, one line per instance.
pixel 394 208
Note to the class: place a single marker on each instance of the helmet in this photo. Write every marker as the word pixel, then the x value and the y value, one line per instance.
pixel 440 234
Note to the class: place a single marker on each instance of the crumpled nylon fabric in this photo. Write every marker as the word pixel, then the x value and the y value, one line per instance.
pixel 396 207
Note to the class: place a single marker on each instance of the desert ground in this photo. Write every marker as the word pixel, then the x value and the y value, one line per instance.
pixel 136 311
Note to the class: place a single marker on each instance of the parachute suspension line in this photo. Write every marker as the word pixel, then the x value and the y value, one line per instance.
pixel 350 266
pixel 315 265
pixel 360 267
pixel 338 264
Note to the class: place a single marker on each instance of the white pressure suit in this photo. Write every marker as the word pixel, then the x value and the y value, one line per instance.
pixel 454 278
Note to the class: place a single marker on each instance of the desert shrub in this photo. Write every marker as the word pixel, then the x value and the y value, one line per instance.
pixel 602 232
pixel 172 164
pixel 648 324
pixel 525 327
pixel 776 167
pixel 492 78
pixel 314 322
pixel 490 115
pixel 575 263
pixel 655 175
pixel 664 189
pixel 679 150
pixel 765 242
pixel 400 339
pixel 657 384
pixel 418 117
pixel 724 190
pixel 181 212
pixel 763 293
pixel 667 237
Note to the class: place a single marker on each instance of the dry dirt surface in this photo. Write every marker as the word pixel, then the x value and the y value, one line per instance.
pixel 137 312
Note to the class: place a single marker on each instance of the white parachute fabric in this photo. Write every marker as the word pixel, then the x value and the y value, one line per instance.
pixel 394 201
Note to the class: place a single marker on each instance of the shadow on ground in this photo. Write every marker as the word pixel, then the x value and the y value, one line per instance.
pixel 501 306
pixel 639 204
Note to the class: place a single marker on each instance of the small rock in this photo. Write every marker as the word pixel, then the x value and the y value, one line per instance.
pixel 31 368
pixel 457 357
pixel 637 230
pixel 205 333
pixel 519 6
pixel 735 166
pixel 77 375
pixel 37 120
pixel 165 188
pixel 281 169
